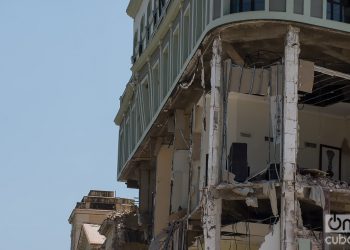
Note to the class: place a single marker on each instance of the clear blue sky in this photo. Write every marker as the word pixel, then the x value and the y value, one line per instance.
pixel 63 66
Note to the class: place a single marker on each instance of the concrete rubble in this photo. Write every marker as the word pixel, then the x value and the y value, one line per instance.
pixel 122 230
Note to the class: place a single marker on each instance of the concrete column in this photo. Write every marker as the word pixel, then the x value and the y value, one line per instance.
pixel 212 207
pixel 290 137
pixel 163 185
pixel 146 190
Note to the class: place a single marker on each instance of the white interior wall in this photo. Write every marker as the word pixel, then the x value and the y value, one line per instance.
pixel 180 174
pixel 250 115
pixel 273 239
pixel 321 128
pixel 232 114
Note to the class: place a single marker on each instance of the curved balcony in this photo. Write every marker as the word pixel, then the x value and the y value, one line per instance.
pixel 178 36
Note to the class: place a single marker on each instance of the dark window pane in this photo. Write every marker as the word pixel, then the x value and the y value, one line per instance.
pixel 317 8
pixel 247 4
pixel 299 7
pixel 337 13
pixel 217 9
pixel 234 6
pixel 329 10
pixel 338 10
pixel 278 5
pixel 259 5
pixel 347 11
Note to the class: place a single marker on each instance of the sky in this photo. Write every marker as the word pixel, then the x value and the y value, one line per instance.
pixel 63 67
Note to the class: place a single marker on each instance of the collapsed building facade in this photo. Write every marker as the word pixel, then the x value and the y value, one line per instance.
pixel 101 221
pixel 235 124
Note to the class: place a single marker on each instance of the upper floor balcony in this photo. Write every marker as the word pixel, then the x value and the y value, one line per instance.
pixel 168 33
pixel 150 17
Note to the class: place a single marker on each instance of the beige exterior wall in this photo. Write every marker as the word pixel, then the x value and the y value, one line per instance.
pixel 81 216
pixel 180 174
pixel 163 185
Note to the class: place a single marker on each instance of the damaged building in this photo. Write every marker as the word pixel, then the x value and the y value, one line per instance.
pixel 235 124
pixel 102 221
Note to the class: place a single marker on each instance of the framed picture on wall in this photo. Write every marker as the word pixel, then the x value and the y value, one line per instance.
pixel 330 161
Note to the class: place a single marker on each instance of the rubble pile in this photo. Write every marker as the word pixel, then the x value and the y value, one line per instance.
pixel 323 181
pixel 125 210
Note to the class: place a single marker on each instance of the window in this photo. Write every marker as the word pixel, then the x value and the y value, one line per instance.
pixel 140 111
pixel 299 7
pixel 246 5
pixel 135 44
pixel 142 35
pixel 208 11
pixel 316 8
pixel 121 148
pixel 175 53
pixel 148 23
pixel 156 86
pixel 161 4
pixel 186 42
pixel 145 89
pixel 165 71
pixel 216 9
pixel 278 5
pixel 334 10
pixel 346 11
pixel 138 127
pixel 142 26
pixel 200 10
pixel 338 10
pixel 127 136
pixel 186 34
pixel 155 14
pixel 133 126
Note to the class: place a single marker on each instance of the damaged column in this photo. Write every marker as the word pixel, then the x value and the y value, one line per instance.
pixel 290 137
pixel 212 206
pixel 146 190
